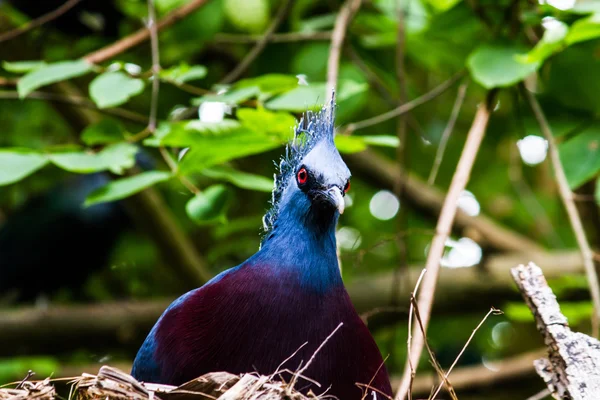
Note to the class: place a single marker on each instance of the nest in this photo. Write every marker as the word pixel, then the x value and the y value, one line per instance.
pixel 114 384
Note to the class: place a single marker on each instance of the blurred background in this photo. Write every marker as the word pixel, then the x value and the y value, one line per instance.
pixel 111 205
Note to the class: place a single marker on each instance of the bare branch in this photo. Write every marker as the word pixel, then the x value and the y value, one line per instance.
pixel 439 155
pixel 80 102
pixel 342 22
pixel 406 107
pixel 574 218
pixel 66 6
pixel 143 34
pixel 260 45
pixel 288 37
pixel 443 228
pixel 155 65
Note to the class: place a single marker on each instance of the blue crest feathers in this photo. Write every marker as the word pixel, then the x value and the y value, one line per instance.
pixel 313 128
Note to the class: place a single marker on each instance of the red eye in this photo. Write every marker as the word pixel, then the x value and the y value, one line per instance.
pixel 302 176
pixel 347 187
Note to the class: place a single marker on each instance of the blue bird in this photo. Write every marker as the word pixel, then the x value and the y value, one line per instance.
pixel 290 293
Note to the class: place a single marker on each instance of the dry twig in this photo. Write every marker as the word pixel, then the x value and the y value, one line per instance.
pixel 143 34
pixel 406 107
pixel 439 155
pixel 340 28
pixel 287 37
pixel 66 6
pixel 574 218
pixel 443 228
pixel 260 45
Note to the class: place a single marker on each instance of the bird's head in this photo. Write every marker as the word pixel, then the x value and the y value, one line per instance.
pixel 312 179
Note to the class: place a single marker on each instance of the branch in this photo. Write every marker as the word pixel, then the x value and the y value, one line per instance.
pixel 572 369
pixel 78 101
pixel 260 45
pixel 61 328
pixel 66 6
pixel 155 65
pixel 342 22
pixel 443 228
pixel 384 173
pixel 143 34
pixel 439 155
pixel 289 37
pixel 567 199
pixel 406 107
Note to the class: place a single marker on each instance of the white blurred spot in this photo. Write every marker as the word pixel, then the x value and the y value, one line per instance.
pixel 348 238
pixel 490 364
pixel 113 67
pixel 302 79
pixel 533 149
pixel 502 334
pixel 560 4
pixel 348 200
pixel 105 358
pixel 384 205
pixel 497 106
pixel 463 252
pixel 177 112
pixel 133 69
pixel 468 203
pixel 212 111
pixel 182 153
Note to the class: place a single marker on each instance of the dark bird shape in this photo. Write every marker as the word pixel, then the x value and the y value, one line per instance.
pixel 253 317
pixel 52 241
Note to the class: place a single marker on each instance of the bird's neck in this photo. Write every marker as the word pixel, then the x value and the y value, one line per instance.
pixel 304 243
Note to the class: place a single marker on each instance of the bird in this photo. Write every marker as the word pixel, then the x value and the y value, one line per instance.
pixel 53 242
pixel 273 311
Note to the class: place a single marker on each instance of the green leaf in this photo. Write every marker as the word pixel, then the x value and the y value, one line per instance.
pixel 116 158
pixel 597 194
pixel 584 29
pixel 350 144
pixel 20 67
pixel 210 205
pixel 270 84
pixel 114 88
pixel 580 157
pixel 191 133
pixel 278 124
pixel 52 73
pixel 496 65
pixel 211 150
pixel 233 96
pixel 240 179
pixel 443 5
pixel 382 140
pixel 16 164
pixel 103 132
pixel 122 188
pixel 312 97
pixel 552 42
pixel 184 73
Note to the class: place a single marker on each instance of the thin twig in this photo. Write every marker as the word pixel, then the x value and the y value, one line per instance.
pixel 443 227
pixel 567 199
pixel 155 65
pixel 540 395
pixel 143 34
pixel 312 358
pixel 288 37
pixel 409 340
pixel 492 311
pixel 340 28
pixel 374 79
pixel 66 6
pixel 406 107
pixel 260 45
pixel 80 102
pixel 439 155
pixel 8 81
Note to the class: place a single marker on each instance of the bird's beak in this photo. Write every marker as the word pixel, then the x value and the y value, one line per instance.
pixel 334 194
